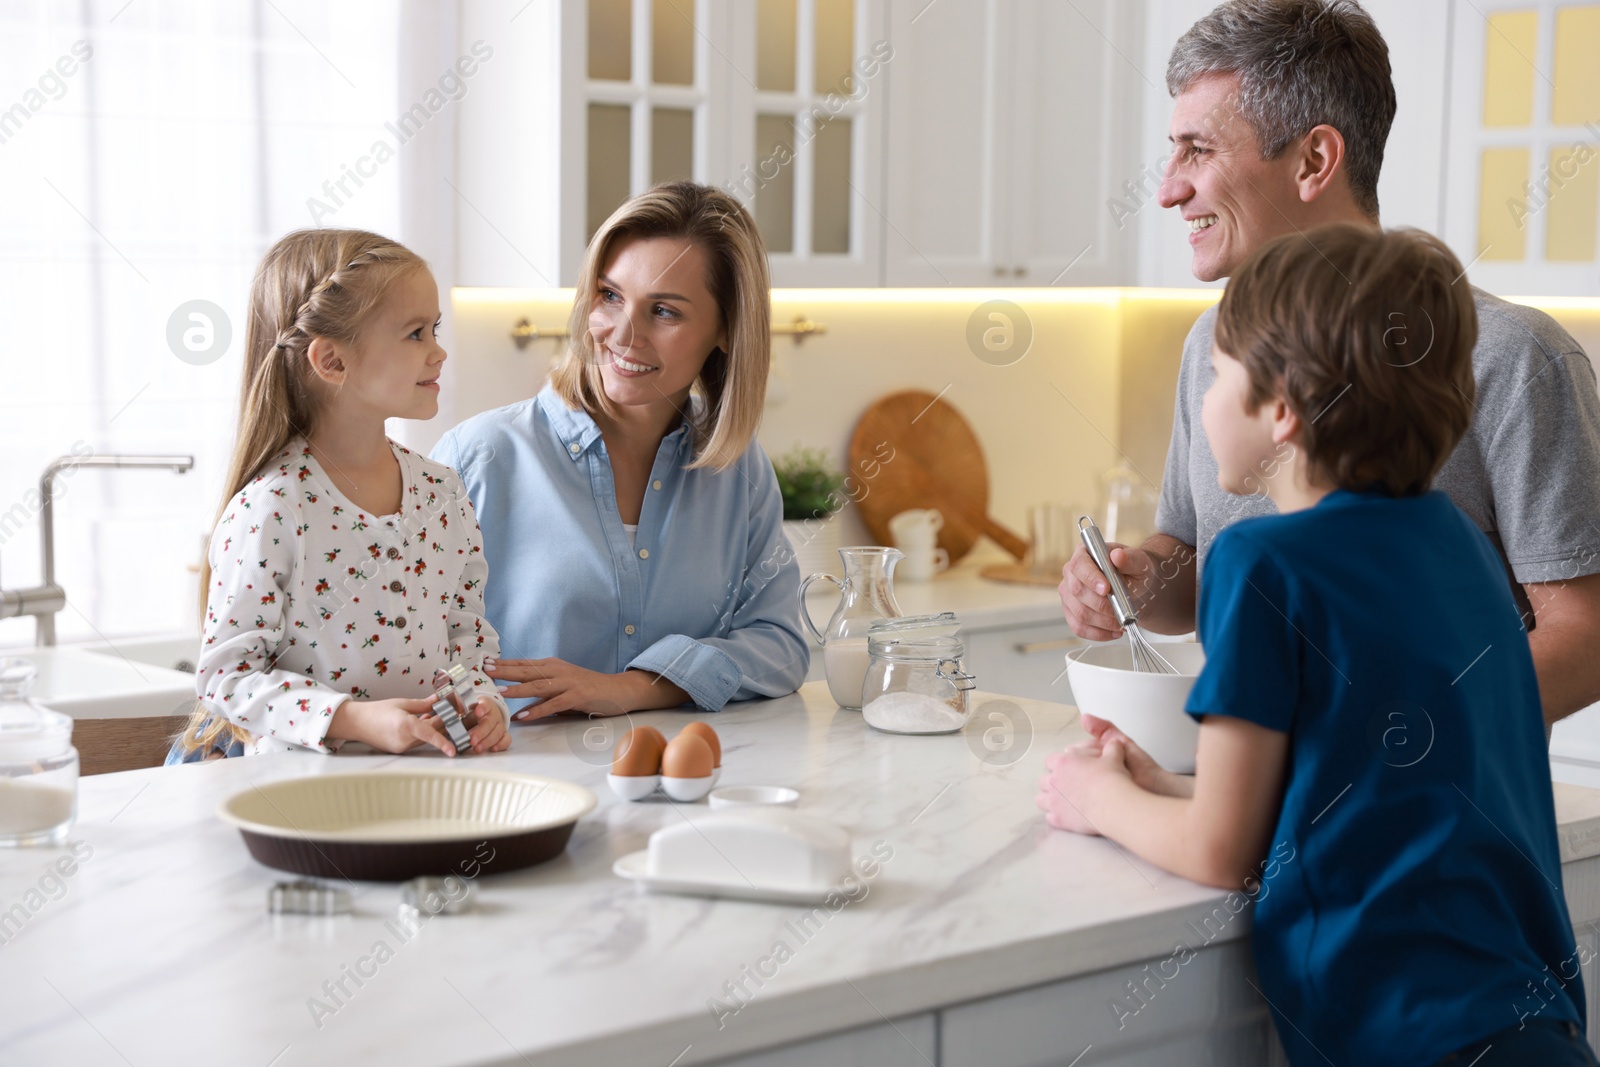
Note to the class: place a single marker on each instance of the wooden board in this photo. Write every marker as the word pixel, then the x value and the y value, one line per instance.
pixel 936 463
pixel 1019 574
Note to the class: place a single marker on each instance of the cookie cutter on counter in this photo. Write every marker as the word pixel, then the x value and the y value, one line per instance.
pixel 447 895
pixel 306 897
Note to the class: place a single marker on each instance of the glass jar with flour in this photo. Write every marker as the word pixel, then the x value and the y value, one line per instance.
pixel 38 765
pixel 916 680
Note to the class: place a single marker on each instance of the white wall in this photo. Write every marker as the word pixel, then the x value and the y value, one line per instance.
pixel 1040 446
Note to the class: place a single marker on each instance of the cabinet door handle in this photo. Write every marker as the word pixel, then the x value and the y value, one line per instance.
pixel 1018 271
pixel 999 271
pixel 1028 648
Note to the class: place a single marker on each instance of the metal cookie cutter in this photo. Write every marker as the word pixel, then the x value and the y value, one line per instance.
pixel 449 704
pixel 305 897
pixel 449 895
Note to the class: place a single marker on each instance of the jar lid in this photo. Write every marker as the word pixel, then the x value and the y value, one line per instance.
pixel 919 648
pixel 28 731
pixel 905 627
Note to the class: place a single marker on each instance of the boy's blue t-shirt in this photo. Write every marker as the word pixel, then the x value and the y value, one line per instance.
pixel 1422 909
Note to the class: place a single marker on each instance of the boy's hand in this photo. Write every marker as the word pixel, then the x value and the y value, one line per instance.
pixel 1147 774
pixel 1073 779
pixel 1085 593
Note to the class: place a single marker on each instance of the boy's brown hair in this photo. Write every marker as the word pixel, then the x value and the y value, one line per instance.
pixel 1368 336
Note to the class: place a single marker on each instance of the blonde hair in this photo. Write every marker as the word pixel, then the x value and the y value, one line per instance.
pixel 733 382
pixel 312 283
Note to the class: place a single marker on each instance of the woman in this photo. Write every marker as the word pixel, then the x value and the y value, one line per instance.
pixel 632 525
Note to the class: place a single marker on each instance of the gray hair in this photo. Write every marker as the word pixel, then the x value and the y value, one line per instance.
pixel 1300 64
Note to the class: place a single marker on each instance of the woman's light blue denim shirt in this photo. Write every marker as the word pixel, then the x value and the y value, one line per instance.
pixel 708 593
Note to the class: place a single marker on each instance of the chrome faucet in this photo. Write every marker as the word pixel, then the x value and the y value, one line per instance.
pixel 44 600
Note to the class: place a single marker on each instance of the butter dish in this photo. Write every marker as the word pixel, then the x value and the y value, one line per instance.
pixel 777 855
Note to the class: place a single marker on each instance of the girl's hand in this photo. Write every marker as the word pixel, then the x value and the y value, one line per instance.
pixel 1146 772
pixel 1067 790
pixel 490 735
pixel 396 725
pixel 561 686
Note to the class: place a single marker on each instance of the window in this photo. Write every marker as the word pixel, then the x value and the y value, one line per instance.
pixel 148 157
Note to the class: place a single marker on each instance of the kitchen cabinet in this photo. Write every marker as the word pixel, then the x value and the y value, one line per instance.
pixel 1201 1013
pixel 1522 189
pixel 1575 748
pixel 910 1042
pixel 806 134
pixel 780 103
pixel 1025 661
pixel 967 142
pixel 988 142
pixel 1007 141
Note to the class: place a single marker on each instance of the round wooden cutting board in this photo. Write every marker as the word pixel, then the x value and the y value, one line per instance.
pixel 936 463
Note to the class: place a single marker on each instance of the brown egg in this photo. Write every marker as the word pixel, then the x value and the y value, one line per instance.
pixel 687 756
pixel 700 729
pixel 638 753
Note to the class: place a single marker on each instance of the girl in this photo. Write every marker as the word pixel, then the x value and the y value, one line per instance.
pixel 344 569
pixel 633 524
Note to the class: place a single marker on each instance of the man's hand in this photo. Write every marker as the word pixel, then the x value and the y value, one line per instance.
pixel 1086 594
pixel 1566 624
pixel 1160 579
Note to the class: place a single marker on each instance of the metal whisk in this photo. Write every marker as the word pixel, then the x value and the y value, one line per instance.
pixel 1145 656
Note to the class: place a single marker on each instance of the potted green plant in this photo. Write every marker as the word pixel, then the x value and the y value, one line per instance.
pixel 811 488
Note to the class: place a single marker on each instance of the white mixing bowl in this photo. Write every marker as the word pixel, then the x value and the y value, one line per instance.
pixel 1146 707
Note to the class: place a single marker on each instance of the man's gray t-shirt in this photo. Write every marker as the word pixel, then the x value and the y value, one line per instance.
pixel 1527 473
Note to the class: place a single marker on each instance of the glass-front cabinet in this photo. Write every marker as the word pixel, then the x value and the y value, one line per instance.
pixel 993 166
pixel 775 100
pixel 1522 189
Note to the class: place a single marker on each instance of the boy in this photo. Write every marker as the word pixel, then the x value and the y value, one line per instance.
pixel 1368 704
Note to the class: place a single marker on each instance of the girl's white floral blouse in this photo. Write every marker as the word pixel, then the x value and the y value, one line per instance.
pixel 314 602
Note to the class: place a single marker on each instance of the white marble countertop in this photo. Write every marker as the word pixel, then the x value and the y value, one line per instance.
pixel 158 947
pixel 982 603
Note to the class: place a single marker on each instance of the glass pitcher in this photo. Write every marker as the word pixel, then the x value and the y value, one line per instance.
pixel 866 595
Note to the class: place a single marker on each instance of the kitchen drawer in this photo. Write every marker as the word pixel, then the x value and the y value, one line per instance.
pixel 907 1042
pixel 1023 661
pixel 1206 1013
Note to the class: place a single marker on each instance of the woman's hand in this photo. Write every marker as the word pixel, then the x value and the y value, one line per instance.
pixel 396 725
pixel 1147 774
pixel 1067 790
pixel 561 686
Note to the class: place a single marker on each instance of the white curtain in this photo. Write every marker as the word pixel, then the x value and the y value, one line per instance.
pixel 150 152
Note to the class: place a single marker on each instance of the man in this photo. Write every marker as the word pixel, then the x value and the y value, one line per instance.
pixel 1282 109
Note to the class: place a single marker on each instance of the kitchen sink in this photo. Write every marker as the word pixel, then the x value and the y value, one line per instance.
pixel 176 652
pixel 84 682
